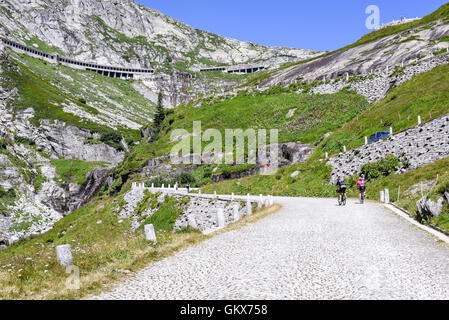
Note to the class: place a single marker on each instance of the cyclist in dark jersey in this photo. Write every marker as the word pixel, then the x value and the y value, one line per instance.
pixel 341 188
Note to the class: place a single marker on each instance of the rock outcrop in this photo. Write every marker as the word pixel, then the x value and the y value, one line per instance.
pixel 428 208
pixel 288 153
pixel 401 49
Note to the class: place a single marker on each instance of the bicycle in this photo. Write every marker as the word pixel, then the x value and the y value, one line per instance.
pixel 342 200
pixel 362 195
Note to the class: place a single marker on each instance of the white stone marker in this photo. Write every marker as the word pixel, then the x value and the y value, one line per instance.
pixel 150 234
pixel 64 255
pixel 382 196
pixel 419 120
pixel 192 221
pixel 391 130
pixel 326 155
pixel 199 192
pixel 236 212
pixel 152 186
pixel 344 148
pixel 249 208
pixel 220 218
pixel 267 201
pixel 387 196
pixel 169 186
pixel 163 186
pixel 366 141
pixel 232 196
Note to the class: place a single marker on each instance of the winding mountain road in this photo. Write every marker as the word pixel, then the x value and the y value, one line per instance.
pixel 310 249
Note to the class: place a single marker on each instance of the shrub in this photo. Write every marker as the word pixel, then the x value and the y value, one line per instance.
pixel 3 144
pixel 116 186
pixel 114 139
pixel 226 173
pixel 24 140
pixel 186 178
pixel 380 168
pixel 10 194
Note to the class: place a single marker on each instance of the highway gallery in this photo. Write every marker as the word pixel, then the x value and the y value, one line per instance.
pixel 189 148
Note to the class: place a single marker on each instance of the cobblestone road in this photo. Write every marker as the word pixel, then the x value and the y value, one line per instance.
pixel 310 249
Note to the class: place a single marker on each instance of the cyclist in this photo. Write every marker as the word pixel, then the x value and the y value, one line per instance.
pixel 341 189
pixel 361 185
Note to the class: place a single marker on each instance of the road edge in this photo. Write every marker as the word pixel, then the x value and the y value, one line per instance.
pixel 441 236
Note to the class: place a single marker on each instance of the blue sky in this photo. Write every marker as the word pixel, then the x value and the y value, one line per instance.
pixel 309 24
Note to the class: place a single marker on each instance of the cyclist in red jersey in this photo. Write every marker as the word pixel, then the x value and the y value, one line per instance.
pixel 361 185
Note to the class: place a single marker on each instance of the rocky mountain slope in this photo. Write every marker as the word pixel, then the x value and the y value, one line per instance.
pixel 399 47
pixel 124 33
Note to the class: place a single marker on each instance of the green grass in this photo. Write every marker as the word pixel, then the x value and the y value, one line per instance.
pixel 47 100
pixel 315 116
pixel 39 180
pixel 312 181
pixel 57 84
pixel 70 170
pixel 165 217
pixel 7 198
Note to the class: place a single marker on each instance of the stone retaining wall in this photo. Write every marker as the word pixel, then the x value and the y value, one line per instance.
pixel 420 145
pixel 202 210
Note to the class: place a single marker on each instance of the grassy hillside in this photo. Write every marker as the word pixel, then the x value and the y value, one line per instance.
pixel 42 88
pixel 314 116
pixel 104 250
pixel 425 95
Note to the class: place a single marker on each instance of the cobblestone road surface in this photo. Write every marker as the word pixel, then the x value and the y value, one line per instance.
pixel 310 249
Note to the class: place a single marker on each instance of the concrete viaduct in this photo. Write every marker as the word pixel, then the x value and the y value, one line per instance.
pixel 110 71
pixel 240 70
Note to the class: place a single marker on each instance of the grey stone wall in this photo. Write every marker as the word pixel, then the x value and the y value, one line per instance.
pixel 420 145
pixel 201 211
